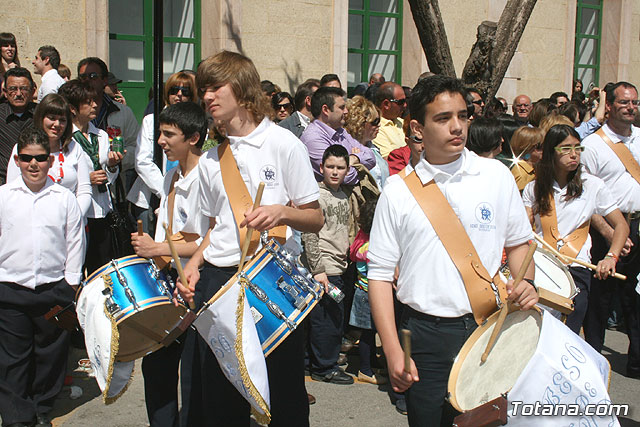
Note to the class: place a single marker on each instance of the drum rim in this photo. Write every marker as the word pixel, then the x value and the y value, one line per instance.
pixel 146 304
pixel 121 262
pixel 464 352
pixel 565 269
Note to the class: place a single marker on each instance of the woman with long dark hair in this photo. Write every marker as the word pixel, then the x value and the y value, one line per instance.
pixel 8 52
pixel 561 201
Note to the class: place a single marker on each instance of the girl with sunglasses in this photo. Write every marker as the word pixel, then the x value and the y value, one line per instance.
pixel 560 203
pixel 282 104
pixel 70 164
pixel 180 87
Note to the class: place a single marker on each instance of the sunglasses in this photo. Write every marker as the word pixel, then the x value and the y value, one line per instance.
pixel 415 139
pixel 375 122
pixel 402 101
pixel 186 91
pixel 89 76
pixel 28 157
pixel 286 106
pixel 478 102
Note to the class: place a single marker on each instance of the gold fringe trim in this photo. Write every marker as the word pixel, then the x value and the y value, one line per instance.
pixel 265 417
pixel 115 346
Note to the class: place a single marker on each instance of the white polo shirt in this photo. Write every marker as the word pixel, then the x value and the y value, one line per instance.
pixel 269 154
pixel 485 198
pixel 602 162
pixel 41 235
pixel 186 207
pixel 595 199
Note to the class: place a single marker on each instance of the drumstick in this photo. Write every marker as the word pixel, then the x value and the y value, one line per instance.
pixel 176 258
pixel 247 238
pixel 505 306
pixel 567 259
pixel 140 231
pixel 405 336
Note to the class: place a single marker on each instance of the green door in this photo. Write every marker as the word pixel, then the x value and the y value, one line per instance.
pixel 131 44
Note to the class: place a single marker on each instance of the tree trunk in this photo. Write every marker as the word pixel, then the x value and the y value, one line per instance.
pixel 495 46
pixel 433 37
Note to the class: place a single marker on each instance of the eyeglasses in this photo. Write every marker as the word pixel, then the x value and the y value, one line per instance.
pixel 286 106
pixel 522 105
pixel 186 91
pixel 567 149
pixel 402 101
pixel 415 139
pixel 14 89
pixel 375 122
pixel 28 157
pixel 478 102
pixel 625 102
pixel 89 76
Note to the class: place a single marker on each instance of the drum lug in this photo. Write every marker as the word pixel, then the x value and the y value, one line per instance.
pixel 262 296
pixel 303 283
pixel 259 293
pixel 153 270
pixel 292 292
pixel 123 282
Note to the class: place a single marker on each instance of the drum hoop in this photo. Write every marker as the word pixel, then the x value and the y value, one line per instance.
pixel 464 352
pixel 277 338
pixel 148 303
pixel 548 254
pixel 122 262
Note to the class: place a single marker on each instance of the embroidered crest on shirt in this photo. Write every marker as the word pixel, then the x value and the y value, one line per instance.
pixel 268 175
pixel 485 216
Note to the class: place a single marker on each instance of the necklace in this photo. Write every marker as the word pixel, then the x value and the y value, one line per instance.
pixel 61 163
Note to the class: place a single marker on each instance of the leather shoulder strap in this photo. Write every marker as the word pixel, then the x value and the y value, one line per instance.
pixel 237 193
pixel 572 243
pixel 453 236
pixel 623 154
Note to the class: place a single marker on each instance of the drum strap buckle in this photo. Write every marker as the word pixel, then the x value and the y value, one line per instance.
pixel 496 293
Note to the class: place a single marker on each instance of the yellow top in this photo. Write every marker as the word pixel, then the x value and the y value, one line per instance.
pixel 390 136
pixel 523 173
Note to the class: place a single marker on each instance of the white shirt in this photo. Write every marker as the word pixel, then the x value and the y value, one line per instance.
pixel 595 199
pixel 186 207
pixel 149 175
pixel 483 195
pixel 41 235
pixel 76 167
pixel 304 120
pixel 50 83
pixel 602 162
pixel 100 201
pixel 270 154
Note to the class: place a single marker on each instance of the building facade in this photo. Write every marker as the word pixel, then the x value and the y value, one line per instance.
pixel 290 41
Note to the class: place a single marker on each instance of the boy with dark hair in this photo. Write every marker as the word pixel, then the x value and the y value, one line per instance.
pixel 325 255
pixel 34 278
pixel 183 130
pixel 438 310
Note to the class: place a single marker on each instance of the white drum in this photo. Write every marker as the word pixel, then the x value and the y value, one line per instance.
pixel 553 275
pixel 536 358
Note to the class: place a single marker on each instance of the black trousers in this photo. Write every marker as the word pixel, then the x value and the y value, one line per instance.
pixel 33 351
pixel 213 401
pixel 99 246
pixel 582 279
pixel 601 294
pixel 435 342
pixel 326 326
pixel 160 372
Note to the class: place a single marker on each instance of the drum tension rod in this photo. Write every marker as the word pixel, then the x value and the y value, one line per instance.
pixel 123 282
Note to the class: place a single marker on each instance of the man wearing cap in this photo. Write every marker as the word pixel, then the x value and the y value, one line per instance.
pixel 112 90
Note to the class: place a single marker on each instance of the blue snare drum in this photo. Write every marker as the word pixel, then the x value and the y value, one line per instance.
pixel 140 301
pixel 280 292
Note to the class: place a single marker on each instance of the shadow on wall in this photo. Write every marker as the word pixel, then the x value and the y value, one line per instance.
pixel 233 30
pixel 293 73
